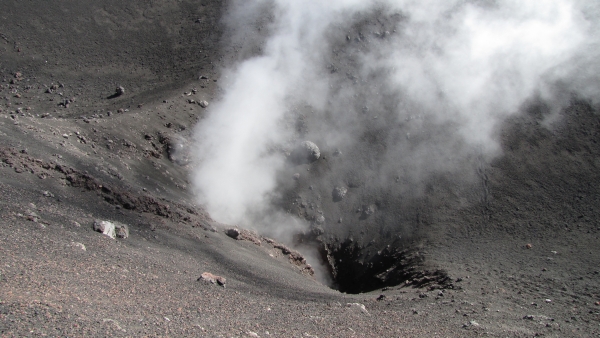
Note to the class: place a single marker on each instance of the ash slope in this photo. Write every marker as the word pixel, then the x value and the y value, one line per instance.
pixel 542 191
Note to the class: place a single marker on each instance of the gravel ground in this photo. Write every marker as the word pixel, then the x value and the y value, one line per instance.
pixel 523 263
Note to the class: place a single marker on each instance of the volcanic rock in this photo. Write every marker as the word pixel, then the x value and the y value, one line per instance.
pixel 305 152
pixel 339 193
pixel 105 227
pixel 111 229
pixel 213 279
pixel 320 219
pixel 368 210
pixel 179 151
pixel 121 230
pixel 243 235
pixel 358 307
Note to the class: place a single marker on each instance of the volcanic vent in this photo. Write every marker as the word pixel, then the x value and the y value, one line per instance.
pixel 368 128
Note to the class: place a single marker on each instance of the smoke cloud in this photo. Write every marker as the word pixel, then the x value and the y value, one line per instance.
pixel 392 92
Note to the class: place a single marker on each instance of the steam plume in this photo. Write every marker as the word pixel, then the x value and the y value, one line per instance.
pixel 427 82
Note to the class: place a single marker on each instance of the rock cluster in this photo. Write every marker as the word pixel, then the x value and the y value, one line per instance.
pixel 111 229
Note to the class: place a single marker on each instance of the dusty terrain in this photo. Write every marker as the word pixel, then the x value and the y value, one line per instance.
pixel 516 254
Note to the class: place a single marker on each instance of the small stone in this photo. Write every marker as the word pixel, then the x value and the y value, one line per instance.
pixel 320 219
pixel 179 151
pixel 284 249
pixel 79 245
pixel 243 235
pixel 203 104
pixel 233 233
pixel 358 306
pixel 47 193
pixel 316 230
pixel 368 210
pixel 306 152
pixel 339 193
pixel 528 246
pixel 119 91
pixel 213 279
pixel 121 230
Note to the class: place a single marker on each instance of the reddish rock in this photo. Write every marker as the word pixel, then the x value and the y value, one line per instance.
pixel 213 279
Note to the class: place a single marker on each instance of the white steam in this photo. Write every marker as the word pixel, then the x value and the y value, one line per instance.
pixel 469 64
pixel 478 62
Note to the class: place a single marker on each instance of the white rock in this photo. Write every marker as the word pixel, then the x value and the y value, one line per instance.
pixel 306 152
pixel 358 306
pixel 105 227
pixel 79 245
